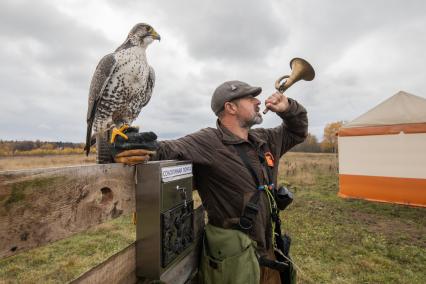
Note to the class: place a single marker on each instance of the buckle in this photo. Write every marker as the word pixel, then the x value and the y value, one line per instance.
pixel 252 207
pixel 245 223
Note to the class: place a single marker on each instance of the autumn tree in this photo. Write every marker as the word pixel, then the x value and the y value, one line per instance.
pixel 329 142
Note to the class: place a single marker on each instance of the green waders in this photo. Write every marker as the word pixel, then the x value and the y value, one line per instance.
pixel 228 256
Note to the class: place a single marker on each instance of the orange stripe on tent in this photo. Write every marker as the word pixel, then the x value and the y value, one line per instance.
pixel 409 191
pixel 383 130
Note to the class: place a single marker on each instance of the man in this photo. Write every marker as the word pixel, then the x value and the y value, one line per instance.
pixel 229 167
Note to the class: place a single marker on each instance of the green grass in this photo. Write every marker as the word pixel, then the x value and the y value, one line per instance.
pixel 335 240
pixel 19 190
pixel 338 240
pixel 65 260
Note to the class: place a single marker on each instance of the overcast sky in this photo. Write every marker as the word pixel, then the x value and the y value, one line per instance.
pixel 363 52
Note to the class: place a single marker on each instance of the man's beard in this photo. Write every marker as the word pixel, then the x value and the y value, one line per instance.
pixel 256 119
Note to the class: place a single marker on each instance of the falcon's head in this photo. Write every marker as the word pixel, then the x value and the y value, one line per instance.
pixel 142 35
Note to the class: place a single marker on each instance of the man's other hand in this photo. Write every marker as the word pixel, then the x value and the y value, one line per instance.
pixel 277 102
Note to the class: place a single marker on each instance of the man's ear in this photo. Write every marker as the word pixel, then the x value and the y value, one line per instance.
pixel 230 107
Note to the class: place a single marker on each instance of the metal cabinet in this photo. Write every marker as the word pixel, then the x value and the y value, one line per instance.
pixel 164 214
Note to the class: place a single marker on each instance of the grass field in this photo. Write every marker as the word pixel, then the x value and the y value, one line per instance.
pixel 349 241
pixel 334 240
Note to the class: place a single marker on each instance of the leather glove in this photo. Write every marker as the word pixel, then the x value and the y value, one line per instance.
pixel 136 149
pixel 133 157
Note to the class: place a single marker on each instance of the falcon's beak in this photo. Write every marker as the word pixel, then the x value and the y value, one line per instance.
pixel 155 35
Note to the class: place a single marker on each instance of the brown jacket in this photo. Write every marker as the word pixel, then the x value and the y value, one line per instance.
pixel 224 183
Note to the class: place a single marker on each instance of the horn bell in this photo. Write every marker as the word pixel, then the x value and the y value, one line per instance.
pixel 302 67
pixel 300 70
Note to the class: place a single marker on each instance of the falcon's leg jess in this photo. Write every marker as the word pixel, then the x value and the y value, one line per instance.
pixel 119 131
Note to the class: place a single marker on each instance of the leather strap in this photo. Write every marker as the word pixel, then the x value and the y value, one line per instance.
pixel 245 159
pixel 273 264
pixel 251 209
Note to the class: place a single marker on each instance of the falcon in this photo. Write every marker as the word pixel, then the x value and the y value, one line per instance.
pixel 121 86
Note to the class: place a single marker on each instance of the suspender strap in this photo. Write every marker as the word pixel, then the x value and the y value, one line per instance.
pixel 251 211
pixel 267 172
pixel 244 157
pixel 252 208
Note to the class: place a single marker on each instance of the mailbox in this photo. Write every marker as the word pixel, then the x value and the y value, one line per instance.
pixel 164 214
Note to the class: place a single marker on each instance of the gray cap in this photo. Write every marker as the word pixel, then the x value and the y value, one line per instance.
pixel 231 90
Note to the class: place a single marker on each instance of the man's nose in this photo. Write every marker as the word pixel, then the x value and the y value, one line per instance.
pixel 256 101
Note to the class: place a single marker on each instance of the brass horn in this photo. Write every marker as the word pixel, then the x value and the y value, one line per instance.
pixel 300 70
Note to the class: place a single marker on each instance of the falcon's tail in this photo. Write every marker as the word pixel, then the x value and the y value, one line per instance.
pixel 89 139
pixel 103 148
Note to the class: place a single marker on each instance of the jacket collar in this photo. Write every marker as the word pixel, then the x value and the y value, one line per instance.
pixel 230 138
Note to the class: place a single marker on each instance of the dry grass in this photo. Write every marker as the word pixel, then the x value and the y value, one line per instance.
pixel 302 168
pixel 32 162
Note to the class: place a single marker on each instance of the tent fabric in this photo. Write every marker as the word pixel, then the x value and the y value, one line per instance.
pixel 401 108
pixel 383 130
pixel 382 153
pixel 402 156
pixel 407 191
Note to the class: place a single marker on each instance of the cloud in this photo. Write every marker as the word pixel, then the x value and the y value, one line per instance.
pixel 363 52
pixel 45 72
pixel 235 31
pixel 218 30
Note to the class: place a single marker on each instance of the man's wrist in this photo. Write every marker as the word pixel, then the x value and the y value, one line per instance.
pixel 289 110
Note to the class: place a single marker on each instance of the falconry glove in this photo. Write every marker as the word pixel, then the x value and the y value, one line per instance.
pixel 136 149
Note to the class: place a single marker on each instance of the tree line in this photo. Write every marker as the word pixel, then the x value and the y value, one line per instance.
pixel 10 148
pixel 328 143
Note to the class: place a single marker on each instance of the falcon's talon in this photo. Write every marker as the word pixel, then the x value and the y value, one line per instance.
pixel 119 132
pixel 124 127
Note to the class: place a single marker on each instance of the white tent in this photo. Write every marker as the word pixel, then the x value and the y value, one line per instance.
pixel 382 153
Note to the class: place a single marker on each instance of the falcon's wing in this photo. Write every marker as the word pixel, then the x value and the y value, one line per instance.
pixel 149 85
pixel 99 80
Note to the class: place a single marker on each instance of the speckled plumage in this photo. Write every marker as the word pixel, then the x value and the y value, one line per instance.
pixel 122 84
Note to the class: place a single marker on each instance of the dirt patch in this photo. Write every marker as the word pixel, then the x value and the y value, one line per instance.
pixel 395 230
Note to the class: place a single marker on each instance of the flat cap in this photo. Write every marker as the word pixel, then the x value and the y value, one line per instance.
pixel 231 90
